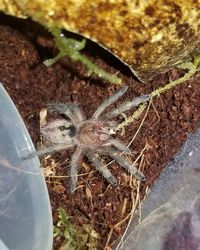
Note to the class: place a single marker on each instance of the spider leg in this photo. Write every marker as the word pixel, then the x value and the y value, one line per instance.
pixel 108 102
pixel 101 168
pixel 73 169
pixel 127 105
pixel 119 145
pixel 48 150
pixel 70 110
pixel 125 163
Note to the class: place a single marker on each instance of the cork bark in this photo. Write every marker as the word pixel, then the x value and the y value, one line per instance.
pixel 149 36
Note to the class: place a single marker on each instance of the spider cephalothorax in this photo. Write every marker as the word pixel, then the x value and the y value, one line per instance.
pixel 91 137
pixel 93 134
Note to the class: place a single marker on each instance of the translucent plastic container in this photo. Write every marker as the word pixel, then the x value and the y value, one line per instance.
pixel 25 214
pixel 170 216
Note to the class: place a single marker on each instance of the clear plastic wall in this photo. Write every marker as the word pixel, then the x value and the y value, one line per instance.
pixel 25 214
pixel 170 216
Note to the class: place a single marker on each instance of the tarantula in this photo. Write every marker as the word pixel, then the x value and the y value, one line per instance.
pixel 92 137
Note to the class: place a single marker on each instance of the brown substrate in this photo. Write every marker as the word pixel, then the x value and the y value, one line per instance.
pixel 23 47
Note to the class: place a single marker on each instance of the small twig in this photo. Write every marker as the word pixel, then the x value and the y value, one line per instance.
pixel 108 239
pixel 156 111
pixel 135 202
pixel 131 214
pixel 124 206
pixel 141 124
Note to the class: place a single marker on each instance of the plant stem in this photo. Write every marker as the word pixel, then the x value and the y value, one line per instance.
pixel 71 47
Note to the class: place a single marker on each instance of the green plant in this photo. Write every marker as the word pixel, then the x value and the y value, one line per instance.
pixel 192 67
pixel 71 48
pixel 75 237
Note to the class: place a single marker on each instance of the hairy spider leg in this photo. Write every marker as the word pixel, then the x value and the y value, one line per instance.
pixel 125 163
pixel 70 110
pixel 101 168
pixel 74 168
pixel 127 105
pixel 48 150
pixel 119 145
pixel 108 102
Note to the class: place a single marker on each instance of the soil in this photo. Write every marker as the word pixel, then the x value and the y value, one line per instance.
pixel 24 45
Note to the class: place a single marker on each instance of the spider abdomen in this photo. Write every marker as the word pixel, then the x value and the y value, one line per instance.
pixel 58 131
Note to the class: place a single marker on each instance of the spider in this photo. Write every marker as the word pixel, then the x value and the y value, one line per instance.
pixel 92 137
